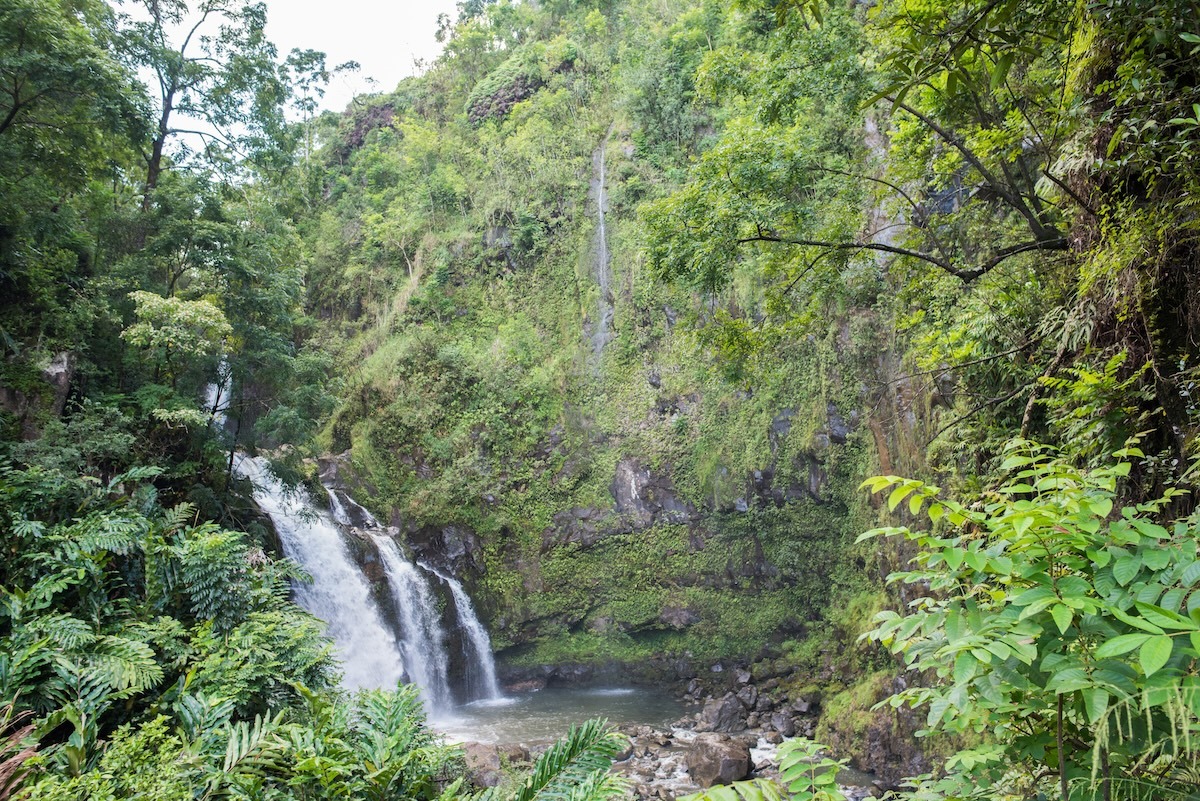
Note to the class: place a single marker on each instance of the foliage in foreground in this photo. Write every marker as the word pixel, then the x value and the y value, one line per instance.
pixel 1062 630
pixel 804 775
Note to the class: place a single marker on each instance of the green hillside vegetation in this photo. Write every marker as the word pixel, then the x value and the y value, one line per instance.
pixel 628 303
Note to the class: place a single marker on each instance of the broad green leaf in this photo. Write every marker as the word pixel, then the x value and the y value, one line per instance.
pixel 1095 700
pixel 1120 645
pixel 1126 568
pixel 964 667
pixel 1165 618
pixel 1063 616
pixel 1154 653
pixel 898 495
pixel 1136 622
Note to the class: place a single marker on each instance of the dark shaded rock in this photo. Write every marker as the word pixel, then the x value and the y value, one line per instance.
pixel 654 379
pixel 482 764
pixel 741 676
pixel 643 499
pixel 782 723
pixel 748 695
pixel 717 759
pixel 725 714
pixel 30 406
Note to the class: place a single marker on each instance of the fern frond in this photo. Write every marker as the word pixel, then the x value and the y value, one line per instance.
pixel 599 785
pixel 126 664
pixel 585 750
pixel 200 715
pixel 176 518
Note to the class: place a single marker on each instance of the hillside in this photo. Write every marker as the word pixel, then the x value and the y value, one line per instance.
pixel 614 313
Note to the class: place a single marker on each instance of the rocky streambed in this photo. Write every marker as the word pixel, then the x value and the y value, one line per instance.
pixel 733 735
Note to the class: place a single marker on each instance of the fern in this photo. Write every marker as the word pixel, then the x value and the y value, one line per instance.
pixel 575 762
pixel 126 665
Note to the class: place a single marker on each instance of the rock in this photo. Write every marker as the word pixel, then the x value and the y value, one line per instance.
pixel 773 737
pixel 741 676
pixel 678 617
pixel 752 720
pixel 782 723
pixel 717 759
pixel 515 753
pixel 723 715
pixel 483 764
pixel 748 695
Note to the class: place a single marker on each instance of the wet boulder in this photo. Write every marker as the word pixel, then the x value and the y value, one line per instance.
pixel 483 764
pixel 726 714
pixel 717 759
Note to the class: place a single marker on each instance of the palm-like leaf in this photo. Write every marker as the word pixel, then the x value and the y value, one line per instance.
pixel 579 762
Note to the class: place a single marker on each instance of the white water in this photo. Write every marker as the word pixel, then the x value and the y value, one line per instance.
pixel 339 509
pixel 423 642
pixel 602 333
pixel 216 396
pixel 339 593
pixel 481 665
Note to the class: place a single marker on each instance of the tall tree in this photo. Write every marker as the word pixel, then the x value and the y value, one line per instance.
pixel 216 78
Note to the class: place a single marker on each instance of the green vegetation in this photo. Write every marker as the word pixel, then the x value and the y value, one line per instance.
pixel 843 240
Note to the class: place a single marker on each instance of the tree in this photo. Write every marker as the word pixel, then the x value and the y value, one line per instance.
pixel 217 81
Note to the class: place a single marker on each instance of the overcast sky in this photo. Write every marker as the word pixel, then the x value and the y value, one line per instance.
pixel 386 38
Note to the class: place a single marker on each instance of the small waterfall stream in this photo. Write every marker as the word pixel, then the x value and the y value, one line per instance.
pixel 423 640
pixel 481 681
pixel 601 268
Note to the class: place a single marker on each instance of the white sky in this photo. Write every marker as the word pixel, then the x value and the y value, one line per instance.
pixel 386 38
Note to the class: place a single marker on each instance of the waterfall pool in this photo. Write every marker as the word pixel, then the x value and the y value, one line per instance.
pixel 547 714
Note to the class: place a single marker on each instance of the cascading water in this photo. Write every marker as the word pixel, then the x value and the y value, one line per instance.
pixel 339 593
pixel 423 642
pixel 602 332
pixel 216 396
pixel 481 665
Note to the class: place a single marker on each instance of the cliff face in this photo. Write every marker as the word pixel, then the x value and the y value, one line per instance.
pixel 619 467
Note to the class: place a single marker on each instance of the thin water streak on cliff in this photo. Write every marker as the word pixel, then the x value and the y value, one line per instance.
pixel 602 261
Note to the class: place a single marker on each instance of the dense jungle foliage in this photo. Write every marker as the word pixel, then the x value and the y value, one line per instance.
pixel 619 304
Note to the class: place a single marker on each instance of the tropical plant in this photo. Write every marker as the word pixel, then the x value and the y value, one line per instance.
pixel 805 774
pixel 1061 629
pixel 576 768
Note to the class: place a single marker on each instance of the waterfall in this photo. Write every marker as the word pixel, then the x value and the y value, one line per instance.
pixel 216 396
pixel 371 652
pixel 342 516
pixel 481 664
pixel 602 333
pixel 423 642
pixel 339 593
